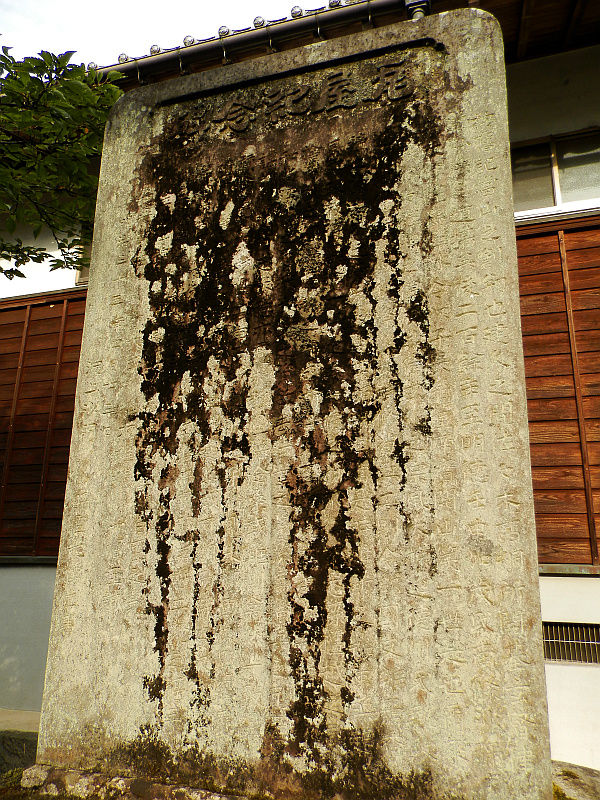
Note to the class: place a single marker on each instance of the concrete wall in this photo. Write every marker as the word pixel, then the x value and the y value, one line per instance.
pixel 554 95
pixel 26 602
pixel 573 689
pixel 574 599
pixel 574 711
pixel 38 278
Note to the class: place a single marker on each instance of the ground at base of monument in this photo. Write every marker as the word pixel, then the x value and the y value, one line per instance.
pixel 571 782
pixel 39 782
pixel 576 783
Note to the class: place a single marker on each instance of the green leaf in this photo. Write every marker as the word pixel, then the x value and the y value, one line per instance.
pixel 52 117
pixel 64 58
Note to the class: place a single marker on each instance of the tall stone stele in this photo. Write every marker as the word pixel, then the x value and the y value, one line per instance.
pixel 298 553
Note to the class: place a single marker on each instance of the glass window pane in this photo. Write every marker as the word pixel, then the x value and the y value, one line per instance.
pixel 532 177
pixel 579 167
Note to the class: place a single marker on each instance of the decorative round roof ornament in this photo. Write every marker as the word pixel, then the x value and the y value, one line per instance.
pixel 92 65
pixel 123 58
pixel 259 22
pixel 155 50
pixel 296 12
pixel 224 31
pixel 335 3
pixel 189 41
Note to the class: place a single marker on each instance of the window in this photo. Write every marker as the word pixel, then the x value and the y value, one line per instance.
pixel 572 641
pixel 557 176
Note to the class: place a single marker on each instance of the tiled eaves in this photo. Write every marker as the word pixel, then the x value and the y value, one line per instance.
pixel 228 47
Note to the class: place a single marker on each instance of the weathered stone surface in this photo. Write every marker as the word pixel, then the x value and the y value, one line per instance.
pixel 298 550
pixel 34 776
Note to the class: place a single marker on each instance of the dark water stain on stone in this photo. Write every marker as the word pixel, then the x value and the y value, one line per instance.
pixel 202 315
pixel 424 424
pixel 353 769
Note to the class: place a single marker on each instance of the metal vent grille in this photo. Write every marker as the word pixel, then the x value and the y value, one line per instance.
pixel 571 641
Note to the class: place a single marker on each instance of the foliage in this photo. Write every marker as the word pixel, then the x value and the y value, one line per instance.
pixel 11 779
pixel 52 117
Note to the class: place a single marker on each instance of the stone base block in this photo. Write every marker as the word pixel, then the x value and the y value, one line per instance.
pixel 577 783
pixel 52 781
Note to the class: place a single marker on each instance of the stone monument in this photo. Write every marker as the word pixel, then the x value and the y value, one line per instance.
pixel 298 555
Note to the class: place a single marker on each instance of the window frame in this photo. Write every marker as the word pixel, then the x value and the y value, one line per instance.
pixel 559 210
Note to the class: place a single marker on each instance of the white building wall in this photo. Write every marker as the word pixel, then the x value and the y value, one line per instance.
pixel 574 713
pixel 573 689
pixel 575 599
pixel 26 602
pixel 38 277
pixel 554 95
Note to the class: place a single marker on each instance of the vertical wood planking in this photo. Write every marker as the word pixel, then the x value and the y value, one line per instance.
pixel 13 410
pixel 558 349
pixel 579 400
pixel 37 386
pixel 50 430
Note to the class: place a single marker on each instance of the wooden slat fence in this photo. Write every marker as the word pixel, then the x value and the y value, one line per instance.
pixel 559 274
pixel 40 338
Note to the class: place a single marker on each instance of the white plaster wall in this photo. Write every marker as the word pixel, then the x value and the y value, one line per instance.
pixel 38 277
pixel 26 603
pixel 574 712
pixel 574 599
pixel 573 689
pixel 554 95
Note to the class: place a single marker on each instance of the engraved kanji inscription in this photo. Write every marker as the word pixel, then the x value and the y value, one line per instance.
pixel 237 114
pixel 391 82
pixel 277 103
pixel 337 92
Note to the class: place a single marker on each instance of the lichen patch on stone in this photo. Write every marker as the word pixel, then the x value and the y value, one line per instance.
pixel 288 316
